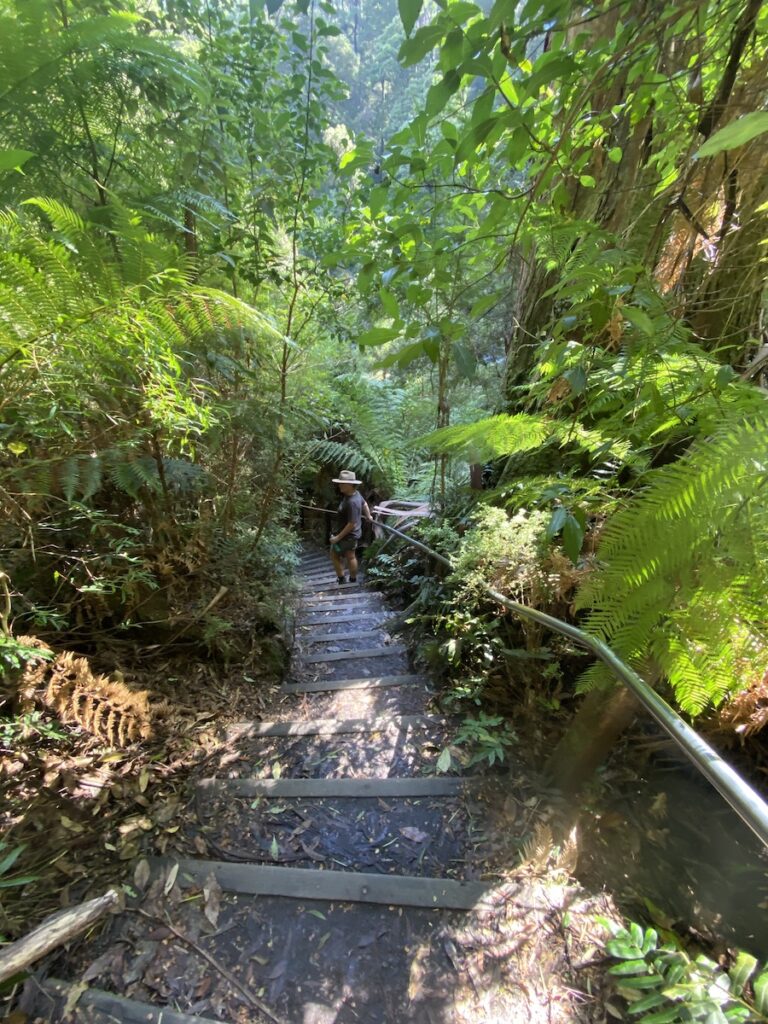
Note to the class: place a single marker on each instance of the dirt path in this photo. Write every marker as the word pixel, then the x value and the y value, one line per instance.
pixel 329 875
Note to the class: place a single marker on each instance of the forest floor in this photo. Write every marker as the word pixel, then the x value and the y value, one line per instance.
pixel 530 950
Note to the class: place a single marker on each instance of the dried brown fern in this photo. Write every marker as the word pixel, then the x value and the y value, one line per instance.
pixel 105 707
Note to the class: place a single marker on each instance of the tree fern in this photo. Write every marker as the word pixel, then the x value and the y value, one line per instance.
pixel 684 569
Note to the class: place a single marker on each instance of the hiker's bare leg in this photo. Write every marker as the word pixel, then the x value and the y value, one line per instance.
pixel 337 563
pixel 352 562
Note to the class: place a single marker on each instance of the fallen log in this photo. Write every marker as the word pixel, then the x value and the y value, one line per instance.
pixel 54 931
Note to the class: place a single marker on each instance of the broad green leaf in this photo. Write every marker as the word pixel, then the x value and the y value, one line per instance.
pixel 389 302
pixel 735 134
pixel 419 45
pixel 464 358
pixel 12 159
pixel 409 13
pixel 378 336
pixel 577 378
pixel 615 155
pixel 557 522
pixel 741 971
pixel 439 93
pixel 461 10
pixel 573 535
pixel 485 302
pixel 403 357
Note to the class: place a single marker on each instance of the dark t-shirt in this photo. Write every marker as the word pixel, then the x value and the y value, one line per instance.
pixel 350 511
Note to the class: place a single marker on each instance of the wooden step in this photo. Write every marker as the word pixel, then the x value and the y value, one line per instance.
pixel 340 594
pixel 330 726
pixel 346 615
pixel 99 1007
pixel 308 789
pixel 334 588
pixel 363 683
pixel 364 652
pixel 337 886
pixel 330 638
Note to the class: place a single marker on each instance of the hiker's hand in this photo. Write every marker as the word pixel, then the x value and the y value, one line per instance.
pixel 334 540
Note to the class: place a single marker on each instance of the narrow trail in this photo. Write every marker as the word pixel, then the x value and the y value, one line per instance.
pixel 333 877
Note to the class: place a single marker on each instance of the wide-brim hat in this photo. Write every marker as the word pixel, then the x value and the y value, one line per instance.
pixel 346 476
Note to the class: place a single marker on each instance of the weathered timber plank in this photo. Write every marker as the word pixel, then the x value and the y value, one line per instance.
pixel 329 638
pixel 329 726
pixel 354 611
pixel 310 789
pixel 106 1008
pixel 352 615
pixel 332 587
pixel 338 886
pixel 363 683
pixel 341 594
pixel 364 652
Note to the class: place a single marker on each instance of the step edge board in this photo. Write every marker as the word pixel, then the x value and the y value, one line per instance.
pixel 375 786
pixel 331 726
pixel 132 1011
pixel 338 886
pixel 363 652
pixel 363 683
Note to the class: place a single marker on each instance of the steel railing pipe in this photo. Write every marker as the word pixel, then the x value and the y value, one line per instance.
pixel 741 797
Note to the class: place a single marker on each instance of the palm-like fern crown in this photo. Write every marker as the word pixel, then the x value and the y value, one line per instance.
pixel 99 338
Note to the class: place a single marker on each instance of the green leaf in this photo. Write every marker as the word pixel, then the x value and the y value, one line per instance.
pixel 389 302
pixel 741 971
pixel 439 93
pixel 378 336
pixel 760 986
pixel 409 13
pixel 557 522
pixel 639 318
pixel 444 761
pixel 629 967
pixel 404 356
pixel 737 133
pixel 587 180
pixel 10 858
pixel 12 159
pixel 577 378
pixel 419 45
pixel 274 848
pixel 464 358
pixel 662 1017
pixel 573 535
pixel 615 155
pixel 484 303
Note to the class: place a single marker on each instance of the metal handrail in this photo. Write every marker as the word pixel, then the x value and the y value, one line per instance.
pixel 748 804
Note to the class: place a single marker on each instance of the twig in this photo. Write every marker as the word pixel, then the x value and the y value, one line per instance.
pixel 250 998
pixel 214 600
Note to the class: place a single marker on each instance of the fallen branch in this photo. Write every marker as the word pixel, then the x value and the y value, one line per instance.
pixel 54 931
pixel 246 993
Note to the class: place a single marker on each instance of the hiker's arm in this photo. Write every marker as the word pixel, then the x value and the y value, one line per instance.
pixel 367 512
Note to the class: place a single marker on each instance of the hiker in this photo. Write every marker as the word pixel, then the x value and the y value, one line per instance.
pixel 352 509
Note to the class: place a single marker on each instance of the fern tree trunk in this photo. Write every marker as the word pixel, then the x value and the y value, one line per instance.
pixel 601 719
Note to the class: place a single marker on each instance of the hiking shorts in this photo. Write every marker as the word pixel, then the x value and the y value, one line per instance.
pixel 345 545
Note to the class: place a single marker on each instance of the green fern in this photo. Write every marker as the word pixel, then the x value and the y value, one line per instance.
pixel 684 570
pixel 340 456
